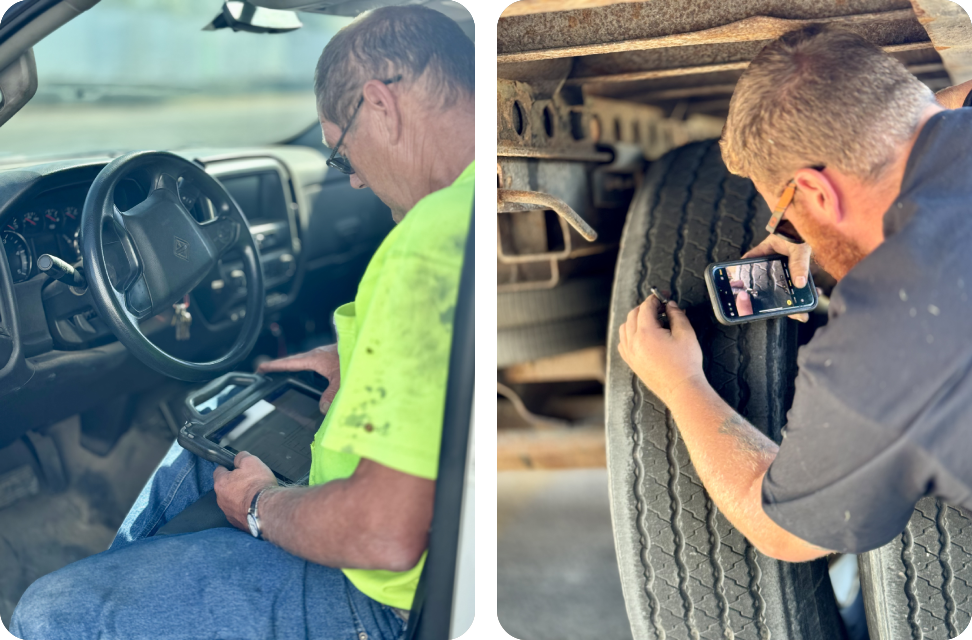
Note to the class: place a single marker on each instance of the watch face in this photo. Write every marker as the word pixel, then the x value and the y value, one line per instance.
pixel 252 523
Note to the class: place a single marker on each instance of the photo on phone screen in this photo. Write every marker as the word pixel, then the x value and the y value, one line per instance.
pixel 759 287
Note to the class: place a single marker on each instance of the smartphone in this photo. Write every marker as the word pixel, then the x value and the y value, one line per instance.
pixel 756 289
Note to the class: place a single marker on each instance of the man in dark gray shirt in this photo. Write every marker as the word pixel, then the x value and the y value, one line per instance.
pixel 883 406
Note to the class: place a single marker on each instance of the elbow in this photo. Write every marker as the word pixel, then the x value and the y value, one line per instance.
pixel 400 553
pixel 406 555
pixel 790 550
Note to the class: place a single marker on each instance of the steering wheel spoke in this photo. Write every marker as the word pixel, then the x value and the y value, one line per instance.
pixel 134 270
pixel 223 233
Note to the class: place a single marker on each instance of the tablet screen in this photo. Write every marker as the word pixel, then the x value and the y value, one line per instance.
pixel 278 429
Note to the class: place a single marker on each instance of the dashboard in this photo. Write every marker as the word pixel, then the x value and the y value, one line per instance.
pixel 49 224
pixel 314 233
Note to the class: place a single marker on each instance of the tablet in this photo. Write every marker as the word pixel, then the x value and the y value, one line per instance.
pixel 274 419
pixel 278 429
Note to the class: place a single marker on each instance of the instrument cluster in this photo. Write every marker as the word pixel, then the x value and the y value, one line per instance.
pixel 49 223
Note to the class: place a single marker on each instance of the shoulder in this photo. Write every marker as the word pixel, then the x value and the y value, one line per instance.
pixel 438 223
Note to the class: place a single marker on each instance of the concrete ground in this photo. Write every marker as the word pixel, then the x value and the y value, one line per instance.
pixel 557 572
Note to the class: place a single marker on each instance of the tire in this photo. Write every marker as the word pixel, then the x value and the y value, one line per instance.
pixel 574 298
pixel 685 571
pixel 547 322
pixel 920 584
pixel 522 344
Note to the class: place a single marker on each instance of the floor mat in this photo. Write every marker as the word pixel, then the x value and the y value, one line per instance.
pixel 47 531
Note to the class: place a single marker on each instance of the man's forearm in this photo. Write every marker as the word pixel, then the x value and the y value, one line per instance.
pixel 334 524
pixel 953 97
pixel 731 457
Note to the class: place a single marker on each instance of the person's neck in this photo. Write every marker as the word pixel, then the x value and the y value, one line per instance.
pixel 875 199
pixel 442 150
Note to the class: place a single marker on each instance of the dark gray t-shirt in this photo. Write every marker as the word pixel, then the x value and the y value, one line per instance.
pixel 882 414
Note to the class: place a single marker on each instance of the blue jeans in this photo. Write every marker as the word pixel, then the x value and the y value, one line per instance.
pixel 218 583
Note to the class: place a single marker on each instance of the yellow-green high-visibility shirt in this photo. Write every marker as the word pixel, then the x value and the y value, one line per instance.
pixel 394 343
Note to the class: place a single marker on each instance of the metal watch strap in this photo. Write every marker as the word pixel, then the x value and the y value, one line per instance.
pixel 253 513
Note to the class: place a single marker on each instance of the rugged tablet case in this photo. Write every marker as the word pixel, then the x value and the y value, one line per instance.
pixel 197 426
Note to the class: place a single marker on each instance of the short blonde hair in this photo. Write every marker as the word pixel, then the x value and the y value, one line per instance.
pixel 820 96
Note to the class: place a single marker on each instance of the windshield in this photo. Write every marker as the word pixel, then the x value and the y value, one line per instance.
pixel 142 74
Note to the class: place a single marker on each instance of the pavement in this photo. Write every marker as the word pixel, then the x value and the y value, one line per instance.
pixel 557 570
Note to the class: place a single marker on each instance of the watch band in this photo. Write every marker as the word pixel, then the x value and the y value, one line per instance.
pixel 253 518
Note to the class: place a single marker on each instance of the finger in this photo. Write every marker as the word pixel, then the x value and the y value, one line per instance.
pixel 298 362
pixel 679 322
pixel 799 264
pixel 239 458
pixel 649 318
pixel 800 317
pixel 744 304
pixel 770 245
pixel 631 324
pixel 330 392
pixel 219 472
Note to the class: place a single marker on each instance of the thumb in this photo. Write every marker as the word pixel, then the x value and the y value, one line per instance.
pixel 328 396
pixel 799 264
pixel 678 321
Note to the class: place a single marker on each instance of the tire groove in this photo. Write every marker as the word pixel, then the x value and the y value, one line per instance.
pixel 636 421
pixel 755 590
pixel 718 573
pixel 715 235
pixel 674 470
pixel 945 559
pixel 907 558
pixel 642 509
pixel 682 224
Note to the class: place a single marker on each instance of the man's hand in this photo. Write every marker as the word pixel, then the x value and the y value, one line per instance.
pixel 323 360
pixel 235 489
pixel 799 261
pixel 663 358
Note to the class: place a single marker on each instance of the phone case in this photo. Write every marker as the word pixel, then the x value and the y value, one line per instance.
pixel 717 305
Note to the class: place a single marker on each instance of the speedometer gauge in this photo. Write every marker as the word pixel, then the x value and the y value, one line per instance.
pixel 18 255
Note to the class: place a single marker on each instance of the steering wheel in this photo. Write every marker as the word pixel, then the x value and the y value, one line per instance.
pixel 163 254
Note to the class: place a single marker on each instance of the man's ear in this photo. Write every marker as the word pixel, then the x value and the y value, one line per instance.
pixel 384 105
pixel 819 195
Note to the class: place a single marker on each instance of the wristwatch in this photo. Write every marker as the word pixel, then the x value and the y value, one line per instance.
pixel 252 519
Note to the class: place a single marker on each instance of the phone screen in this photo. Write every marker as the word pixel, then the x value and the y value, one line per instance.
pixel 758 288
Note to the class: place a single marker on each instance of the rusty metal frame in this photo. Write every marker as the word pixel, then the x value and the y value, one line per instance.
pixel 750 29
pixel 533 285
pixel 950 30
pixel 506 258
pixel 656 74
pixel 547 201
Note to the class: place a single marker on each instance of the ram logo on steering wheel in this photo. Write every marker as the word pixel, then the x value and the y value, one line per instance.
pixel 181 248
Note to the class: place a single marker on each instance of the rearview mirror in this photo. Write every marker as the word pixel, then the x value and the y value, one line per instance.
pixel 18 83
pixel 242 16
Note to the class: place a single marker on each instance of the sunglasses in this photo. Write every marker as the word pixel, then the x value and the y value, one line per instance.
pixel 338 161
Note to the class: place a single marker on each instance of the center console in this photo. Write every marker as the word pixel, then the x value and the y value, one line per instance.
pixel 263 189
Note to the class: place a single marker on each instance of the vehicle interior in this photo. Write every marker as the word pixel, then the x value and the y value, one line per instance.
pixel 203 114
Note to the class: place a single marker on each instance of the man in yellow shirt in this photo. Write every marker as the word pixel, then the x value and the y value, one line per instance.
pixel 341 557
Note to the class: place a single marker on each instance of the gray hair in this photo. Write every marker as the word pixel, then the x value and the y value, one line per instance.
pixel 820 96
pixel 390 41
